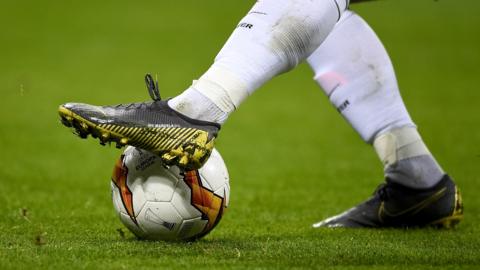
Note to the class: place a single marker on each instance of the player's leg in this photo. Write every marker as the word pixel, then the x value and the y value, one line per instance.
pixel 272 38
pixel 356 73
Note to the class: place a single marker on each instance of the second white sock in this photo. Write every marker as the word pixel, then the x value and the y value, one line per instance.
pixel 356 73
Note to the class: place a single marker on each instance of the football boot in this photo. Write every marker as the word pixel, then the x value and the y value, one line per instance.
pixel 394 205
pixel 152 126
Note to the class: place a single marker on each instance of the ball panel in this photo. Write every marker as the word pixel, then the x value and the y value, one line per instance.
pixel 117 201
pixel 132 226
pixel 227 194
pixel 121 179
pixel 208 203
pixel 224 193
pixel 205 183
pixel 159 188
pixel 161 182
pixel 191 228
pixel 181 202
pixel 139 199
pixel 160 220
pixel 214 172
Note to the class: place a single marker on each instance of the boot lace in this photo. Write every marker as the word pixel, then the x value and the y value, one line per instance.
pixel 153 91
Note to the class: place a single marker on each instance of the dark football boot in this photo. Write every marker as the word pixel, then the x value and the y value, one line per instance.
pixel 153 126
pixel 394 205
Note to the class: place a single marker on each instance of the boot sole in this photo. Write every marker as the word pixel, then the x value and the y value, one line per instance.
pixel 188 148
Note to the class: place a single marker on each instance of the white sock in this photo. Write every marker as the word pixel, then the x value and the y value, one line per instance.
pixel 407 159
pixel 356 73
pixel 274 37
pixel 195 105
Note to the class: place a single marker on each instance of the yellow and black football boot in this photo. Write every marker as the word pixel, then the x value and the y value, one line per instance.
pixel 396 206
pixel 153 126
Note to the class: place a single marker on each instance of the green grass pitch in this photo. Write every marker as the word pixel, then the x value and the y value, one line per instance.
pixel 293 160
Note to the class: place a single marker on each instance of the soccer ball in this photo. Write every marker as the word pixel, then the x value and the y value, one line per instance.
pixel 158 202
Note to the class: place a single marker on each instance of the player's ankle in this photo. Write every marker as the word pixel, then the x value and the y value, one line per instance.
pixel 406 158
pixel 195 105
pixel 214 96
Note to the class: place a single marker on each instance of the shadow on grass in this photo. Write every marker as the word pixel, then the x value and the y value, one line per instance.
pixel 325 247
